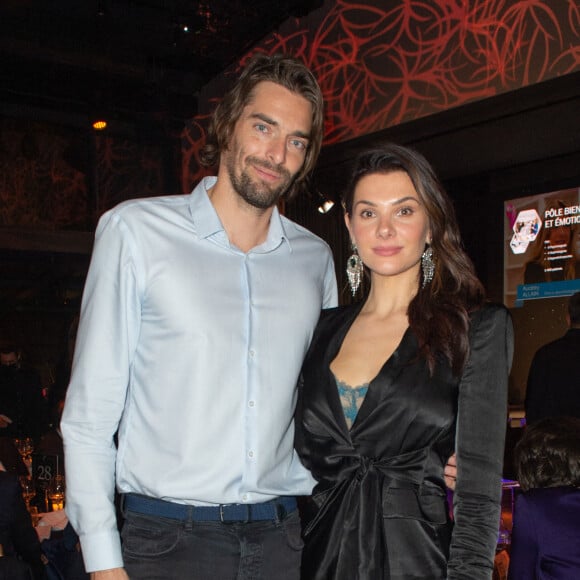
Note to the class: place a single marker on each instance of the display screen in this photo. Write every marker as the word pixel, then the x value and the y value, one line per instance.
pixel 541 246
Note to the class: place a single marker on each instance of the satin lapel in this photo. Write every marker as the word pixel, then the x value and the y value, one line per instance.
pixel 381 386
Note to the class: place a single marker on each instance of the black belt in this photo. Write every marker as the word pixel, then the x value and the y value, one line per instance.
pixel 275 509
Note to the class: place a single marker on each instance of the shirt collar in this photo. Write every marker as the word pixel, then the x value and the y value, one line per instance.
pixel 205 218
pixel 208 224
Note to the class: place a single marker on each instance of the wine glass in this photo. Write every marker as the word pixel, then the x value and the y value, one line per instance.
pixel 25 446
pixel 28 491
pixel 56 491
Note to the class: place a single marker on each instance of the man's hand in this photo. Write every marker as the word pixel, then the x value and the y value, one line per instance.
pixel 112 574
pixel 5 421
pixel 450 472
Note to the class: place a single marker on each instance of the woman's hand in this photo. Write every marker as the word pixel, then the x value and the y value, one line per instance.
pixel 450 472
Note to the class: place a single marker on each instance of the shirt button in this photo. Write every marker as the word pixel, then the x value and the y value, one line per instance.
pixel 251 404
pixel 252 353
pixel 250 454
pixel 245 497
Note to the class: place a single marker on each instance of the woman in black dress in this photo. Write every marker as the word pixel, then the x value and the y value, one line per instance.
pixel 395 384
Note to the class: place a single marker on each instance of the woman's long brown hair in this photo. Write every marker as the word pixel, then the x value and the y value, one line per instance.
pixel 439 314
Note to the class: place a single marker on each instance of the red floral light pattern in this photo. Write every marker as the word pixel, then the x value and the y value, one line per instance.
pixel 37 186
pixel 379 66
pixel 126 170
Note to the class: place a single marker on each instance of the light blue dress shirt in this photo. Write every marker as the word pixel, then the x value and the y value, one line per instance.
pixel 191 348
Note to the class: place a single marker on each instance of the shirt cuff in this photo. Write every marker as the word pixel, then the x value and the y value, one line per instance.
pixel 101 551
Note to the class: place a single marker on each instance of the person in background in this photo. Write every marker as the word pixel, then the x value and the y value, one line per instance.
pixel 553 387
pixel 196 315
pixel 23 410
pixel 394 384
pixel 21 557
pixel 546 526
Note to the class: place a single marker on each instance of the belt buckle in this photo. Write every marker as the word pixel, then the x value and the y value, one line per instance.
pixel 235 521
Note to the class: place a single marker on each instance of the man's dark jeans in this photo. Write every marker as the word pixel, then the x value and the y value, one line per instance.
pixel 156 548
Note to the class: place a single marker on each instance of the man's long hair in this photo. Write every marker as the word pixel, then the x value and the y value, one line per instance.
pixel 282 70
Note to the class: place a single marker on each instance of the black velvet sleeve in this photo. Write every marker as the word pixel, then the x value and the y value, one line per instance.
pixel 481 426
pixel 19 527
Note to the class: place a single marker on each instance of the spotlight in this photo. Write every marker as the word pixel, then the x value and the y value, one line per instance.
pixel 99 124
pixel 325 204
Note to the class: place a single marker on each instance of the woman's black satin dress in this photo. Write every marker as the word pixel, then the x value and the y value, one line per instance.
pixel 379 510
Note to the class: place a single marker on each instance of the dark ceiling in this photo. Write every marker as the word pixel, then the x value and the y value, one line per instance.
pixel 63 61
pixel 128 58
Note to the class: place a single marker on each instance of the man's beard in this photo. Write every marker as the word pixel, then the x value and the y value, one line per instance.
pixel 259 195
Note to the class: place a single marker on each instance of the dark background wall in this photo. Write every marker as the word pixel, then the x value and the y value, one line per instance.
pixel 488 91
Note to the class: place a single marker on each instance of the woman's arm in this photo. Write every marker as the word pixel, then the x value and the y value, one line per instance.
pixel 481 426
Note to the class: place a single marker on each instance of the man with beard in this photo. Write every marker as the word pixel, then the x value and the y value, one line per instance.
pixel 196 315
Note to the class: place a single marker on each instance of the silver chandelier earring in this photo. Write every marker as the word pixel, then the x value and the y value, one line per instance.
pixel 427 265
pixel 354 270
